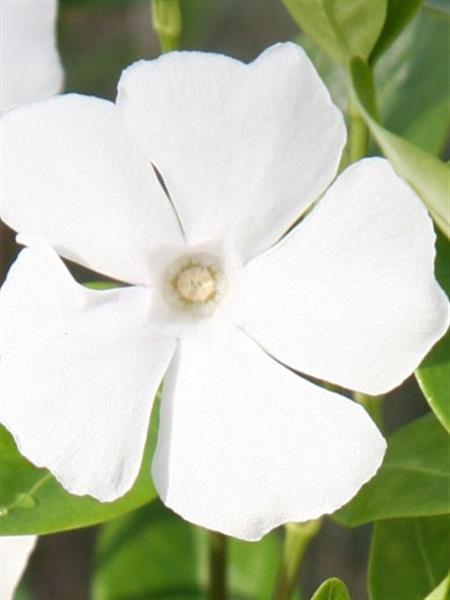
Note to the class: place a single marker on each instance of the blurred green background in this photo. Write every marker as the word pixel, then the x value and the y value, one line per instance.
pixel 97 39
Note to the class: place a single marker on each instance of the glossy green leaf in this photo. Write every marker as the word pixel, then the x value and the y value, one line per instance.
pixel 442 263
pixel 32 501
pixel 442 591
pixel 153 553
pixel 331 589
pixel 410 78
pixel 398 15
pixel 342 29
pixel 414 479
pixel 412 100
pixel 408 557
pixel 428 175
pixel 433 377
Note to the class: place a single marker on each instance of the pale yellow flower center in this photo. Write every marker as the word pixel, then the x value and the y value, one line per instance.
pixel 195 284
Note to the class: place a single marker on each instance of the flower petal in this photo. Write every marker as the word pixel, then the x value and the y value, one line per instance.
pixel 350 295
pixel 70 174
pixel 245 444
pixel 30 64
pixel 244 149
pixel 14 554
pixel 78 373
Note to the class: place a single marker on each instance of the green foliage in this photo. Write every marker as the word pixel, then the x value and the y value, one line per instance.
pixel 342 29
pixel 32 501
pixel 153 553
pixel 398 15
pixel 413 103
pixel 408 558
pixel 433 374
pixel 428 175
pixel 331 589
pixel 414 479
pixel 442 591
pixel 412 83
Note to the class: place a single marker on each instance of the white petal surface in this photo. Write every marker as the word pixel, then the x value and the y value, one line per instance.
pixel 244 149
pixel 245 444
pixel 78 373
pixel 30 67
pixel 70 174
pixel 350 295
pixel 14 554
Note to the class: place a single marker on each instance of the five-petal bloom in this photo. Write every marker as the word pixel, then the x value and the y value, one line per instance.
pixel 184 189
pixel 30 66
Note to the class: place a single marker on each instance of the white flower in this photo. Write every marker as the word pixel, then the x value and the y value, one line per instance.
pixel 14 554
pixel 216 300
pixel 30 70
pixel 30 67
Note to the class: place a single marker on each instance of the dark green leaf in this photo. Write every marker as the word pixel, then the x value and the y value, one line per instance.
pixel 153 553
pixel 412 83
pixel 32 501
pixel 428 175
pixel 342 29
pixel 331 589
pixel 398 15
pixel 433 376
pixel 408 557
pixel 414 479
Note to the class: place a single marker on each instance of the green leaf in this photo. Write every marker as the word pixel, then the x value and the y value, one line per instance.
pixel 331 589
pixel 399 14
pixel 342 29
pixel 153 553
pixel 442 591
pixel 442 264
pixel 32 501
pixel 101 285
pixel 408 557
pixel 440 8
pixel 412 98
pixel 433 377
pixel 414 479
pixel 428 175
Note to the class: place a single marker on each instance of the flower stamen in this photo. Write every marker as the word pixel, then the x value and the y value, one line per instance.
pixel 195 284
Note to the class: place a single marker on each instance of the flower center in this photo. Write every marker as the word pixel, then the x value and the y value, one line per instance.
pixel 195 283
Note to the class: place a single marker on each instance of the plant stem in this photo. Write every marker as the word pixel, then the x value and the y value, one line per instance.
pixel 166 19
pixel 297 539
pixel 217 566
pixel 358 136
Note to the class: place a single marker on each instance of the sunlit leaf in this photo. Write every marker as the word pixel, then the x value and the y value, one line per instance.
pixel 331 589
pixel 153 553
pixel 414 479
pixel 442 591
pixel 408 557
pixel 342 29
pixel 428 175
